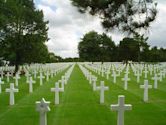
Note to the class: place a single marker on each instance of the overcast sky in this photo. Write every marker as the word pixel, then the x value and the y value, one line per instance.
pixel 67 26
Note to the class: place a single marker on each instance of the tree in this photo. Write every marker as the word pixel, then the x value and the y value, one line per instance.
pixel 128 49
pixel 129 16
pixel 143 54
pixel 96 47
pixel 23 32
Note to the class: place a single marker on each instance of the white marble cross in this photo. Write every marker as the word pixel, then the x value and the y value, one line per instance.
pixel 11 90
pixel 161 76
pixel 155 78
pixel 56 90
pixel 47 75
pixel 17 77
pixel 35 73
pixel 102 88
pixel 27 76
pixel 90 77
pixel 1 82
pixel 31 82
pixel 8 76
pixel 146 73
pixel 43 107
pixel 65 78
pixel 107 74
pixel 138 74
pixel 41 77
pixel 102 72
pixel 114 75
pixel 121 107
pixel 94 79
pixel 126 79
pixel 62 84
pixel 2 73
pixel 145 87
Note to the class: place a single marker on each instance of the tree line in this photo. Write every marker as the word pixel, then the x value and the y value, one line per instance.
pixel 100 47
pixel 24 32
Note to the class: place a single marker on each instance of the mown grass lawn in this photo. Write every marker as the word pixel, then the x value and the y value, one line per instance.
pixel 79 104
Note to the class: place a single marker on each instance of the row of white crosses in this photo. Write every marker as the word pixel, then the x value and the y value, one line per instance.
pixel 106 70
pixel 13 90
pixel 92 80
pixel 43 106
pixel 121 107
pixel 126 79
pixel 57 89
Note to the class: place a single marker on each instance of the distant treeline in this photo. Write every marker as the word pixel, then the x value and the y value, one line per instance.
pixel 100 47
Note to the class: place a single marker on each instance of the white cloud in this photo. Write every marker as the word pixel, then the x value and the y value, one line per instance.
pixel 67 26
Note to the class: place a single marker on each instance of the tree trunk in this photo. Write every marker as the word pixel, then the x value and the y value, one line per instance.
pixel 16 68
pixel 17 63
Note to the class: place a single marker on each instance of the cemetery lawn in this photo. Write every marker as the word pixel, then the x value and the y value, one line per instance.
pixel 79 104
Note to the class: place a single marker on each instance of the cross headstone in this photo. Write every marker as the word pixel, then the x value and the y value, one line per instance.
pixel 146 73
pixel 145 87
pixel 11 90
pixel 138 74
pixel 114 75
pixel 121 107
pixel 41 77
pixel 35 73
pixel 107 74
pixel 31 82
pixel 56 90
pixel 27 76
pixel 102 88
pixel 1 82
pixel 43 107
pixel 62 84
pixel 8 76
pixel 94 79
pixel 2 73
pixel 102 72
pixel 17 77
pixel 47 75
pixel 126 79
pixel 161 76
pixel 155 78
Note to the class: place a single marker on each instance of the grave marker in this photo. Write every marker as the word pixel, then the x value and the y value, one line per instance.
pixel 102 88
pixel 12 90
pixel 145 87
pixel 43 107
pixel 1 82
pixel 121 107
pixel 56 90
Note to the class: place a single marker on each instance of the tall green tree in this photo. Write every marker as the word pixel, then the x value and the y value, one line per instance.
pixel 129 16
pixel 23 32
pixel 143 54
pixel 96 47
pixel 128 49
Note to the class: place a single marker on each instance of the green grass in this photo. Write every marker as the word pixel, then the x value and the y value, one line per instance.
pixel 79 104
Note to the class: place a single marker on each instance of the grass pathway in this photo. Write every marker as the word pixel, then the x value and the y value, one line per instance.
pixel 79 105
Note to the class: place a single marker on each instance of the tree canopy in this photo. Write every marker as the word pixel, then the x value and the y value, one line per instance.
pixel 96 47
pixel 100 47
pixel 23 32
pixel 131 16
